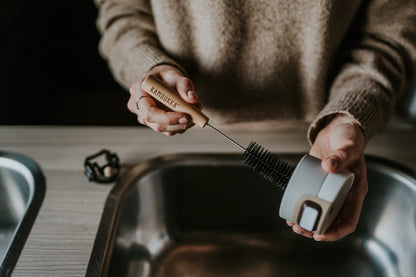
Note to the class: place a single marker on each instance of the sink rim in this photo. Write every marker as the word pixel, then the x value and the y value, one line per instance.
pixel 25 224
pixel 103 244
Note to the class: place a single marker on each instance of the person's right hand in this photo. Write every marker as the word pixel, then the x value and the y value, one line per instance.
pixel 158 117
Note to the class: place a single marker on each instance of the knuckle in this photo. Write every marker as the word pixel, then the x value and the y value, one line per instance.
pixel 363 185
pixel 166 120
pixel 365 190
pixel 139 120
pixel 186 82
pixel 158 128
pixel 172 121
pixel 350 143
pixel 351 228
pixel 148 118
pixel 130 106
pixel 296 229
pixel 347 229
pixel 342 154
pixel 133 88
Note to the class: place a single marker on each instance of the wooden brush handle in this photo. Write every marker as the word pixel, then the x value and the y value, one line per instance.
pixel 172 100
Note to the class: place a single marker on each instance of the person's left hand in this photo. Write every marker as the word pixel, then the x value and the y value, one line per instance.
pixel 340 145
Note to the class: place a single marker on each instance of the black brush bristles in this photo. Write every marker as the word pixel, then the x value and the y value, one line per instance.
pixel 268 165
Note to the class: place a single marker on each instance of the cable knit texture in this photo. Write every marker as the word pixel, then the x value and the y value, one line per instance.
pixel 270 61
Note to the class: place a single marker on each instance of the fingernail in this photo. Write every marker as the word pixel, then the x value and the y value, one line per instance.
pixel 183 120
pixel 192 94
pixel 333 163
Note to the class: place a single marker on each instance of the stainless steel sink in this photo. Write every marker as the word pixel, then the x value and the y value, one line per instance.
pixel 208 215
pixel 22 188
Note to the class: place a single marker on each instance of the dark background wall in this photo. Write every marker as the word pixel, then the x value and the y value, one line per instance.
pixel 52 74
pixel 50 68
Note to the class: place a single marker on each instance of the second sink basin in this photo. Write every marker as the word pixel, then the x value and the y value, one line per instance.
pixel 22 188
pixel 209 215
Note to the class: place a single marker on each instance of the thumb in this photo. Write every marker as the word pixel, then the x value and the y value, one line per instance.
pixel 336 161
pixel 186 90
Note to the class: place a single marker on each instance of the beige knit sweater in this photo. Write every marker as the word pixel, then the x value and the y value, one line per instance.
pixel 265 60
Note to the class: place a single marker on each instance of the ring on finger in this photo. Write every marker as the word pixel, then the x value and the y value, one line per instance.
pixel 138 101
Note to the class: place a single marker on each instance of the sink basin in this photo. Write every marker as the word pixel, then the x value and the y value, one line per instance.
pixel 209 215
pixel 22 188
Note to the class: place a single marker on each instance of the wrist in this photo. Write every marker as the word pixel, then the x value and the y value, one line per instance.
pixel 165 67
pixel 330 122
pixel 342 118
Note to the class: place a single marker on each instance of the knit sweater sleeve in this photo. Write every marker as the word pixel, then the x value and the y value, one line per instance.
pixel 129 40
pixel 373 66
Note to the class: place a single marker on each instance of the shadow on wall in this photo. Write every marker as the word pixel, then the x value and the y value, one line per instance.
pixel 50 70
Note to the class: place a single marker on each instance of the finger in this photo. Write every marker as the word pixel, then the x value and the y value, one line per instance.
pixel 165 129
pixel 135 89
pixel 151 113
pixel 337 231
pixel 156 115
pixel 298 230
pixel 186 90
pixel 346 221
pixel 141 120
pixel 183 86
pixel 175 132
pixel 136 93
pixel 161 121
pixel 148 112
pixel 139 99
pixel 289 223
pixel 169 134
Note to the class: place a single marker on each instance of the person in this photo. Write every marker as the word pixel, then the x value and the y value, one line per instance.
pixel 337 65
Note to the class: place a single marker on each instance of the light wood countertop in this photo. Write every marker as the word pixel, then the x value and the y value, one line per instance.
pixel 63 234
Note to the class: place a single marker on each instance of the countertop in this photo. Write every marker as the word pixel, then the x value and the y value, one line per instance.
pixel 63 234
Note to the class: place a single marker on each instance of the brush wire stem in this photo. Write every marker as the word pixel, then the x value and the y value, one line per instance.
pixel 267 165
